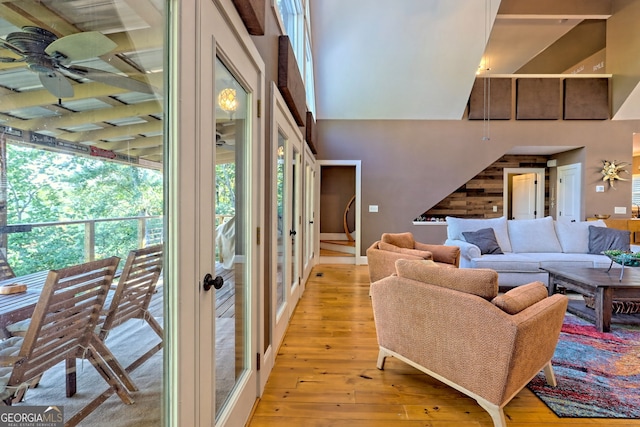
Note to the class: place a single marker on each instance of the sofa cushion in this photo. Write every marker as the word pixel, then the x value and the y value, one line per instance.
pixel 574 236
pixel 484 239
pixel 602 239
pixel 561 260
pixel 517 299
pixel 507 262
pixel 455 227
pixel 533 235
pixel 403 240
pixel 393 248
pixel 480 282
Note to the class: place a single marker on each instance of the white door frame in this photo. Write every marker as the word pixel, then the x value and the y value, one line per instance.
pixel 540 172
pixel 190 154
pixel 359 259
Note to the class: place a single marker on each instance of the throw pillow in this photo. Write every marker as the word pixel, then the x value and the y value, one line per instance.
pixel 455 227
pixel 533 235
pixel 482 282
pixel 574 236
pixel 484 239
pixel 602 239
pixel 403 240
pixel 415 252
pixel 517 299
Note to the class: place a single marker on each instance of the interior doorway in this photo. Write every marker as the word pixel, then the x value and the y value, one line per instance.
pixel 569 191
pixel 524 193
pixel 339 212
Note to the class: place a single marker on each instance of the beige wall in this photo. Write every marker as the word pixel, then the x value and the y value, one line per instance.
pixel 338 186
pixel 409 166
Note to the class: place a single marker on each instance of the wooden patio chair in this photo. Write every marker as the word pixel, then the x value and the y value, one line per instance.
pixel 133 294
pixel 63 328
pixel 6 272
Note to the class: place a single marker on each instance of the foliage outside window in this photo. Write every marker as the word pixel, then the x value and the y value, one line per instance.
pixel 43 186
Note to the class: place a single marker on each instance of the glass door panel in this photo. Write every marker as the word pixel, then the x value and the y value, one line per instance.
pixel 280 209
pixel 232 220
pixel 294 222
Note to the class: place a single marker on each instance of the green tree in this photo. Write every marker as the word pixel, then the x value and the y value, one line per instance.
pixel 44 186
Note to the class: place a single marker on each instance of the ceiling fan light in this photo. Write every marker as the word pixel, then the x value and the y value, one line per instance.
pixel 227 100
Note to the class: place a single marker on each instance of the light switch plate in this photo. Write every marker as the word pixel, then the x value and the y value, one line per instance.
pixel 373 208
pixel 599 188
pixel 620 210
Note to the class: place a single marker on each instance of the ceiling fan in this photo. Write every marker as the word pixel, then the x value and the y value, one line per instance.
pixel 51 57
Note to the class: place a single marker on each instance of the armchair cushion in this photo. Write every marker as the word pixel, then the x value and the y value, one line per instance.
pixel 521 297
pixel 402 240
pixel 484 239
pixel 393 248
pixel 476 281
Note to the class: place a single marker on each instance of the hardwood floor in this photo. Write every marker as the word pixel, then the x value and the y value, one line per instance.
pixel 325 372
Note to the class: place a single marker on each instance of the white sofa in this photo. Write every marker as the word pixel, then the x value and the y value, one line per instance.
pixel 527 245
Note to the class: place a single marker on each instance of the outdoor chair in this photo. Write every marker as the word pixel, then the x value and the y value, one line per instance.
pixel 62 328
pixel 131 297
pixel 6 272
pixel 133 294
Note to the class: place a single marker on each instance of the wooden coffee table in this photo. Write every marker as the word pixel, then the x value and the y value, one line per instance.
pixel 605 286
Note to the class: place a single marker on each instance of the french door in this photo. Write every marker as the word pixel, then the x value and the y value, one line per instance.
pixel 216 217
pixel 309 216
pixel 286 210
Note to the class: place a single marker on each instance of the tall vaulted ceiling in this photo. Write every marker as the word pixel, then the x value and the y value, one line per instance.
pixel 411 59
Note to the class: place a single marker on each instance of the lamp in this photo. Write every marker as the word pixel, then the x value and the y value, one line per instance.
pixel 227 100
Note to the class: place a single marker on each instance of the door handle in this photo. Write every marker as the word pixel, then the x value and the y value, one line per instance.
pixel 292 232
pixel 210 281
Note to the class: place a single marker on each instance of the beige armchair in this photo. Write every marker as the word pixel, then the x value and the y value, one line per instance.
pixel 452 325
pixel 382 254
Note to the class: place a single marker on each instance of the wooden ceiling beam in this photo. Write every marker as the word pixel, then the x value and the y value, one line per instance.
pixel 91 116
pixel 40 97
pixel 136 143
pixel 112 132
pixel 147 11
pixel 44 17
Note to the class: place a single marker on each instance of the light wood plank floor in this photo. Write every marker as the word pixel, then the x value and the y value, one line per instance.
pixel 325 373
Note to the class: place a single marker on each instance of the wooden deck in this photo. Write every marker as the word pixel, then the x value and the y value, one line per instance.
pixel 225 301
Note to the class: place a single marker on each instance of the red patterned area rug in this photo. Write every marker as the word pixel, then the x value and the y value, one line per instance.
pixel 598 373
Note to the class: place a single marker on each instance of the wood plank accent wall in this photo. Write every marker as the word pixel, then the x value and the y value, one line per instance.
pixel 476 198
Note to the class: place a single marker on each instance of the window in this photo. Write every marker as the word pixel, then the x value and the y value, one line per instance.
pixel 635 195
pixel 296 24
pixel 291 17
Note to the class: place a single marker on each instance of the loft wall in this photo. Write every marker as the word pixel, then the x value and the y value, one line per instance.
pixel 410 166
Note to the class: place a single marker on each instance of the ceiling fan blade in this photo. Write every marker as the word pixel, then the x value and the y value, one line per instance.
pixel 79 46
pixel 6 45
pixel 110 78
pixel 9 59
pixel 57 84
